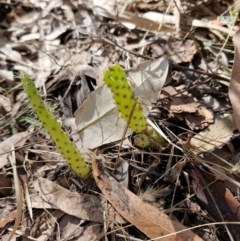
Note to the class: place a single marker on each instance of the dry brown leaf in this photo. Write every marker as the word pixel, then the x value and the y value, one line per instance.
pixel 5 105
pixel 184 107
pixel 217 200
pixel 69 226
pixel 45 224
pixel 234 88
pixel 18 140
pixel 181 105
pixel 38 203
pixel 91 232
pixel 214 136
pixel 8 219
pixel 145 217
pixel 202 118
pixel 178 103
pixel 180 51
pixel 83 206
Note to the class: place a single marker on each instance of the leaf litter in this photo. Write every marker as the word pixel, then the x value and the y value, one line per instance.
pixel 181 80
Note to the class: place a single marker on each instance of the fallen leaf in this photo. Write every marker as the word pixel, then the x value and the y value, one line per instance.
pixel 217 200
pixel 4 221
pixel 234 88
pixel 184 107
pixel 201 119
pixel 39 203
pixel 83 206
pixel 45 224
pixel 181 51
pixel 143 216
pixel 214 136
pixel 17 140
pixel 90 231
pixel 148 79
pixel 5 105
pixel 98 120
pixel 69 226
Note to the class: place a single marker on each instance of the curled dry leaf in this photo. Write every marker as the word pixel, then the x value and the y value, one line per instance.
pixel 184 107
pixel 202 118
pixel 146 218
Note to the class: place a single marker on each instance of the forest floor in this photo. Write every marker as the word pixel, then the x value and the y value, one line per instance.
pixel 181 59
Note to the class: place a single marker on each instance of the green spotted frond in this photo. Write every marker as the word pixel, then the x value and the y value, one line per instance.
pixel 123 96
pixel 68 149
